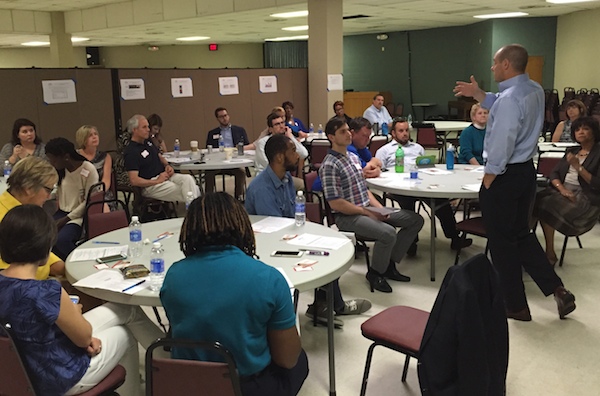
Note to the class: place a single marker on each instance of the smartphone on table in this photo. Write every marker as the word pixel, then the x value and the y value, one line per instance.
pixel 287 253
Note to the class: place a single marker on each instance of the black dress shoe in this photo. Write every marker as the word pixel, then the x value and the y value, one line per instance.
pixel 459 243
pixel 565 300
pixel 393 274
pixel 523 315
pixel 378 282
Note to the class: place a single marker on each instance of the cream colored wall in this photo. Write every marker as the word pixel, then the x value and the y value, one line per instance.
pixel 37 57
pixel 184 56
pixel 577 50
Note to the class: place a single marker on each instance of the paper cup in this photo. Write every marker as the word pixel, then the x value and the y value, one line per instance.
pixel 228 153
pixel 194 145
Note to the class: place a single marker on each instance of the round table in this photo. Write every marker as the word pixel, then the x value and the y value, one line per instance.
pixel 213 161
pixel 324 272
pixel 430 186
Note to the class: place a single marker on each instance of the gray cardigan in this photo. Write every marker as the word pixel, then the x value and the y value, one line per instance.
pixel 591 164
pixel 7 150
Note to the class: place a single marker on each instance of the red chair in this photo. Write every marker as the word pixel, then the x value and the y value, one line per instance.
pixel 399 328
pixel 473 226
pixel 96 222
pixel 317 150
pixel 167 377
pixel 376 143
pixel 427 137
pixel 14 379
pixel 546 165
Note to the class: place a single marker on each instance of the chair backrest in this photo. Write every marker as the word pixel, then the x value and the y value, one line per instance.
pixel 98 223
pixel 14 379
pixel 426 136
pixel 166 377
pixel 96 193
pixel 317 151
pixel 391 108
pixel 546 165
pixel 376 143
pixel 309 180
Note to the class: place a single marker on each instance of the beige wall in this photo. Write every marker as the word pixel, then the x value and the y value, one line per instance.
pixel 184 56
pixel 37 57
pixel 577 50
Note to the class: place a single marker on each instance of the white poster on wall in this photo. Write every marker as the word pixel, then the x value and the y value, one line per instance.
pixel 59 91
pixel 132 89
pixel 335 82
pixel 182 87
pixel 267 84
pixel 229 86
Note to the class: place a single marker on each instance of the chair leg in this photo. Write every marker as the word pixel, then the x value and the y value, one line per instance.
pixel 363 388
pixel 159 319
pixel 405 369
pixel 315 308
pixel 463 239
pixel 564 250
pixel 579 242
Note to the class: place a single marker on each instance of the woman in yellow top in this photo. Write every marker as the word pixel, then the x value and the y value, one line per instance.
pixel 31 182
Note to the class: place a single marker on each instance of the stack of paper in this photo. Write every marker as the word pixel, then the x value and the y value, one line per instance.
pixel 272 224
pixel 319 242
pixel 113 280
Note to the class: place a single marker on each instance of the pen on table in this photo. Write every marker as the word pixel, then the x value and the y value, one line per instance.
pixel 132 286
pixel 314 250
pixel 107 243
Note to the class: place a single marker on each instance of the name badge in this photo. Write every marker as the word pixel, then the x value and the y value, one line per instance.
pixel 84 172
pixel 216 137
pixel 145 153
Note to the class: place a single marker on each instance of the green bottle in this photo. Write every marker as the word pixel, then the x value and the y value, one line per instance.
pixel 399 160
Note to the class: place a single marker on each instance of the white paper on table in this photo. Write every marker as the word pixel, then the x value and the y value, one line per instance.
pixel 249 152
pixel 478 169
pixel 182 87
pixel 319 241
pixel 267 84
pixel 472 187
pixel 238 161
pixel 272 224
pixel 180 160
pixel 565 144
pixel 229 86
pixel 132 89
pixel 435 171
pixel 401 183
pixel 59 91
pixel 94 253
pixel 112 280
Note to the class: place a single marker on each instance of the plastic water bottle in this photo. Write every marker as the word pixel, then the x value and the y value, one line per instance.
pixel 409 119
pixel 399 160
pixel 7 169
pixel 135 237
pixel 384 129
pixel 240 147
pixel 176 148
pixel 320 130
pixel 221 143
pixel 414 175
pixel 312 128
pixel 450 157
pixel 157 266
pixel 188 199
pixel 300 209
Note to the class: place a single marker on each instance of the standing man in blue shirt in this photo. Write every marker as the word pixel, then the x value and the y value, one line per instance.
pixel 272 193
pixel 514 125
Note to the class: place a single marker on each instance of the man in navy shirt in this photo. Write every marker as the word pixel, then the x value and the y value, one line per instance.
pixel 272 193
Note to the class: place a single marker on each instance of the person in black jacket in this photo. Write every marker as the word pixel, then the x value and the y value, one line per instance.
pixel 232 135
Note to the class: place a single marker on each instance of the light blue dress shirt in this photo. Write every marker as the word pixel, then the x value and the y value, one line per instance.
pixel 380 116
pixel 227 136
pixel 515 122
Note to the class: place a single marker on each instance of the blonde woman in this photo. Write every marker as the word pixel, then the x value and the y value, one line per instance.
pixel 575 109
pixel 471 138
pixel 87 139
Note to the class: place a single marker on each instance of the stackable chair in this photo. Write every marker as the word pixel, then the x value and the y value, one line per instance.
pixel 14 379
pixel 167 377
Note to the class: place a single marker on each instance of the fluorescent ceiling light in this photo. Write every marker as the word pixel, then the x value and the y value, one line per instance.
pixel 305 37
pixel 293 14
pixel 502 15
pixel 567 1
pixel 79 39
pixel 295 28
pixel 35 43
pixel 193 38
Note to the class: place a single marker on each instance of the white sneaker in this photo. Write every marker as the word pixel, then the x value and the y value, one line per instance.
pixel 355 307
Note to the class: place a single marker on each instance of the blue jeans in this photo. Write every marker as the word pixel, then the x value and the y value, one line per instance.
pixel 67 237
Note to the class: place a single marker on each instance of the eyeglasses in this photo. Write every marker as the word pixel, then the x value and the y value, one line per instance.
pixel 278 123
pixel 223 116
pixel 49 190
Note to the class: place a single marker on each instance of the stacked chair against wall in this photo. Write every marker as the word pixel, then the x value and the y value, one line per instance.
pixel 569 94
pixel 551 109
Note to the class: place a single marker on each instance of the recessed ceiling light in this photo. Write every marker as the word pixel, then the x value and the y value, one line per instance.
pixel 293 14
pixel 79 39
pixel 305 37
pixel 502 15
pixel 35 43
pixel 568 1
pixel 193 38
pixel 295 28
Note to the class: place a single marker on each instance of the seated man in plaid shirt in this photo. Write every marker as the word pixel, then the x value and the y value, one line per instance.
pixel 346 192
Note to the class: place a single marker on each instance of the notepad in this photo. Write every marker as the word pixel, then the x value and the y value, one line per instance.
pixel 112 280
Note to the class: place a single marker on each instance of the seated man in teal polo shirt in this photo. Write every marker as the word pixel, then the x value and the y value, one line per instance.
pixel 272 193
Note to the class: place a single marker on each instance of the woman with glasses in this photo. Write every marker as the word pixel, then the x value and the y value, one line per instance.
pixel 24 143
pixel 76 176
pixel 31 182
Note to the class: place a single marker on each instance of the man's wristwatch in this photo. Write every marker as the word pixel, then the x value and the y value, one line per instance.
pixel 580 169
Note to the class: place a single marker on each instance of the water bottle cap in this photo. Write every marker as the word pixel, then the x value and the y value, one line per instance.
pixel 300 193
pixel 135 218
pixel 156 245
pixel 6 162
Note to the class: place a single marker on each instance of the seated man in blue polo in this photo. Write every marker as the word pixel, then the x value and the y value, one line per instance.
pixel 272 193
pixel 361 134
pixel 149 170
